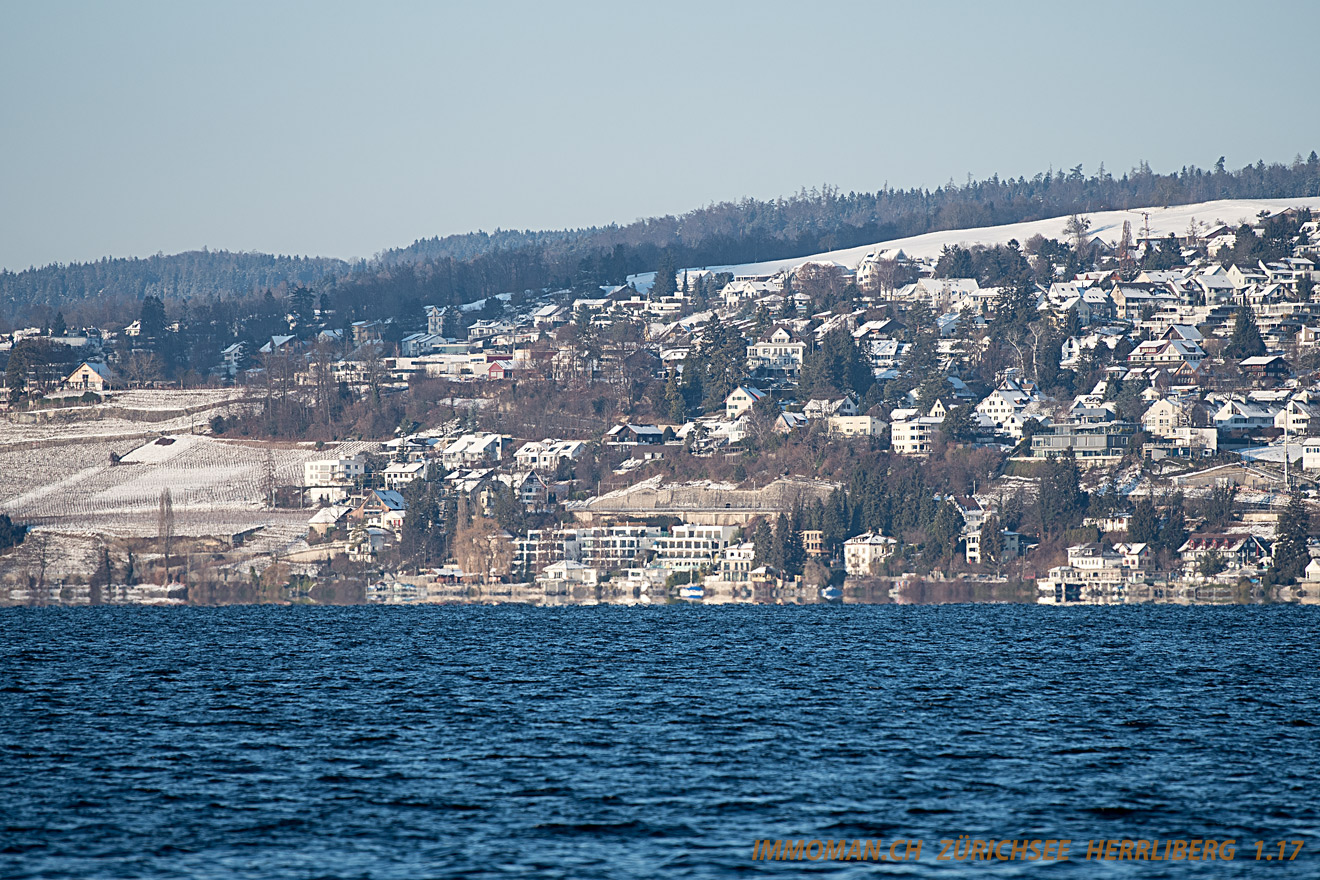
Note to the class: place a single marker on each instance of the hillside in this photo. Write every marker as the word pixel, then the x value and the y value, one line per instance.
pixel 471 266
pixel 1106 225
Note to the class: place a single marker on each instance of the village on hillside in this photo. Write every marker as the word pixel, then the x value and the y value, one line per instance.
pixel 1076 420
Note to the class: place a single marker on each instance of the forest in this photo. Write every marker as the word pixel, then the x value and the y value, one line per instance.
pixel 468 267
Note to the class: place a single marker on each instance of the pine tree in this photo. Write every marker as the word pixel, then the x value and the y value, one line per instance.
pixel 1290 536
pixel 958 426
pixel 1144 527
pixel 674 402
pixel 666 283
pixel 1062 501
pixel 763 541
pixel 779 550
pixel 992 540
pixel 1245 340
pixel 1173 534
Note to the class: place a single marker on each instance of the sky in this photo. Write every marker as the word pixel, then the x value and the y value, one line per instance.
pixel 341 129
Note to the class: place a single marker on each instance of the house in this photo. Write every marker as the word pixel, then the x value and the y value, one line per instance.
pixel 276 344
pixel 90 376
pixel 330 479
pixel 1015 545
pixel 790 421
pixel 531 489
pixel 779 353
pixel 740 400
pixel 856 426
pixel 545 455
pixel 382 508
pixel 1010 398
pixel 689 547
pixel 564 574
pixel 1096 574
pixel 635 435
pixel 1183 442
pixel 327 519
pixel 1297 416
pixel 1311 454
pixel 1092 444
pixel 911 433
pixel 1166 353
pixel 1185 332
pixel 1236 551
pixel 472 450
pixel 230 358
pixel 1237 415
pixel 420 344
pixel 823 409
pixel 401 473
pixel 863 553
pixel 1163 418
pixel 1265 368
pixel 735 565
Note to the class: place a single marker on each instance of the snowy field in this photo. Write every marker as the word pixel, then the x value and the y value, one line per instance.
pixel 1108 225
pixel 78 483
pixel 128 414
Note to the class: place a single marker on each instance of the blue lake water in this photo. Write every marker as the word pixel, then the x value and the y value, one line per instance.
pixel 299 742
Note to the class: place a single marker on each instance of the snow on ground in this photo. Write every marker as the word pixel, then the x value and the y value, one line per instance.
pixel 160 450
pixel 1108 225
pixel 1272 453
pixel 78 485
pixel 174 400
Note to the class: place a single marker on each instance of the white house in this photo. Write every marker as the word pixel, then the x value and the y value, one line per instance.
pixel 1237 415
pixel 1297 416
pixel 1163 418
pixel 740 400
pixel 401 473
pixel 856 426
pixel 473 449
pixel 329 479
pixel 861 554
pixel 823 409
pixel 781 352
pixel 911 433
pixel 90 376
pixel 1010 398
pixel 546 454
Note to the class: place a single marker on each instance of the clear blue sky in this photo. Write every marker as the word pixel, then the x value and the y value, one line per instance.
pixel 341 129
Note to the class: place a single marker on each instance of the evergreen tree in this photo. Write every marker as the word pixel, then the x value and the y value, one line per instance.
pixel 59 328
pixel 674 403
pixel 11 534
pixel 779 549
pixel 1290 536
pixel 955 262
pixel 1173 534
pixel 958 426
pixel 763 544
pixel 1245 341
pixel 1305 288
pixel 945 530
pixel 1062 501
pixel 666 283
pixel 16 373
pixel 1144 527
pixel 795 553
pixel 152 317
pixel 992 540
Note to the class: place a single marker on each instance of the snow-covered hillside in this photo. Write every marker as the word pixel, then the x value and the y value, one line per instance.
pixel 1108 225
